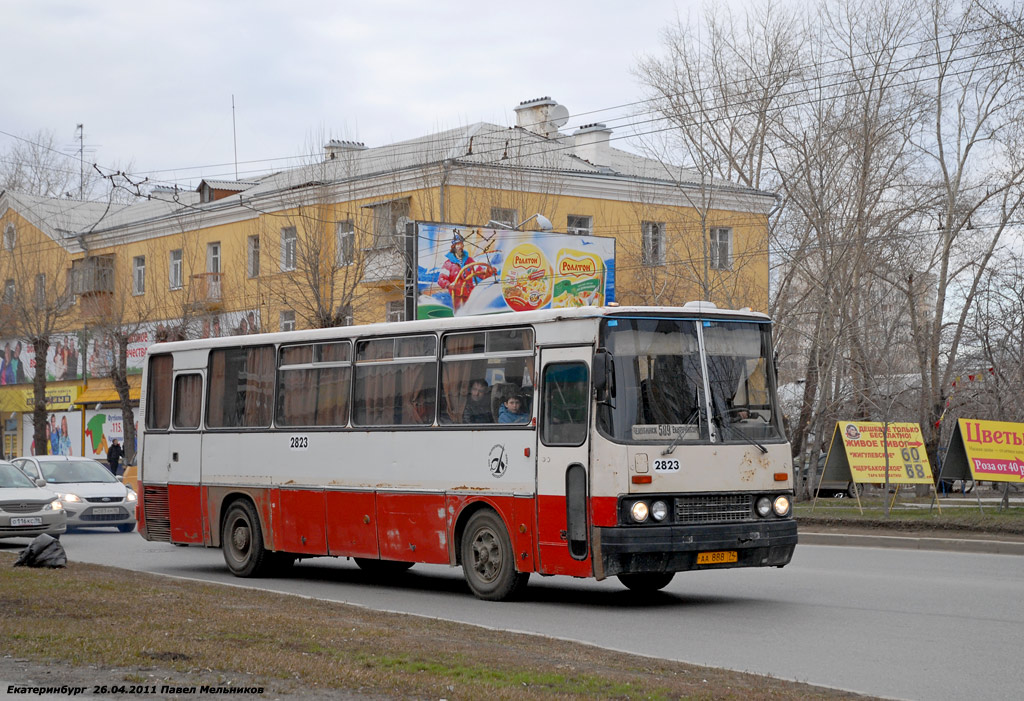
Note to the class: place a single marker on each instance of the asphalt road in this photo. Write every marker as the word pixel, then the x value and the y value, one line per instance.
pixel 887 622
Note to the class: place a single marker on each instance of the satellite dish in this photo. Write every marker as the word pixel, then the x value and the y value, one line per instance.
pixel 558 115
pixel 401 223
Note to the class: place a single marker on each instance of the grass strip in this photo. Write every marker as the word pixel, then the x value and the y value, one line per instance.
pixel 153 627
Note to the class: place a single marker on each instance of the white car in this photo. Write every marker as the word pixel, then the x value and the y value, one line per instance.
pixel 91 495
pixel 26 510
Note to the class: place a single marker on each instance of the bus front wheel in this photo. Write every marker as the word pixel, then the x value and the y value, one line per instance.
pixel 488 559
pixel 646 581
pixel 242 541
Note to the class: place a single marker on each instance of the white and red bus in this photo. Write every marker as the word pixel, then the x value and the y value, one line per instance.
pixel 627 441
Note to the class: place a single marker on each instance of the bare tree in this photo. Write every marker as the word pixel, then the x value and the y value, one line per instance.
pixel 976 100
pixel 126 316
pixel 894 139
pixel 317 243
pixel 35 165
pixel 36 302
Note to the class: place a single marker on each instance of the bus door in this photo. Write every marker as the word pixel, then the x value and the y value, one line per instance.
pixel 183 458
pixel 563 449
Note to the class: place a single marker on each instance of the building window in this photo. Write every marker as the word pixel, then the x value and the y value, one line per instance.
pixel 289 240
pixel 92 274
pixel 345 242
pixel 139 275
pixel 253 256
pixel 579 225
pixel 396 310
pixel 345 317
pixel 721 249
pixel 9 292
pixel 389 221
pixel 507 217
pixel 9 237
pixel 287 319
pixel 213 257
pixel 653 252
pixel 174 270
pixel 40 296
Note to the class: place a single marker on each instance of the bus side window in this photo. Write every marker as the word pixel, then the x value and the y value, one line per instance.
pixel 240 389
pixel 158 394
pixel 188 400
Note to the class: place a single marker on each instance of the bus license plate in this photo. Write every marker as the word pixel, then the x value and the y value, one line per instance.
pixel 27 521
pixel 102 510
pixel 716 558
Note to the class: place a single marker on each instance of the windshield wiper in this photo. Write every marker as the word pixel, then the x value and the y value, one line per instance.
pixel 724 423
pixel 679 436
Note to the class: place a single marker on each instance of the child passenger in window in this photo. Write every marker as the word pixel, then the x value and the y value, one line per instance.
pixel 512 411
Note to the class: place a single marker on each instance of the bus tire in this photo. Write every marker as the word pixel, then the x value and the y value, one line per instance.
pixel 242 542
pixel 646 581
pixel 381 567
pixel 488 560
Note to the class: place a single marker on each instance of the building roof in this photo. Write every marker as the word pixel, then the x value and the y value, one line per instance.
pixel 460 151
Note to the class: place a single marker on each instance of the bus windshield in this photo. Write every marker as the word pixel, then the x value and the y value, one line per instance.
pixel 660 393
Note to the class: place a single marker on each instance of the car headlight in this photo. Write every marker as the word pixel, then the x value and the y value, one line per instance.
pixel 763 506
pixel 131 496
pixel 781 505
pixel 70 497
pixel 639 511
pixel 54 505
pixel 659 510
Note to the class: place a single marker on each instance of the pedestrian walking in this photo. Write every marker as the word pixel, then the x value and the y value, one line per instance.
pixel 114 455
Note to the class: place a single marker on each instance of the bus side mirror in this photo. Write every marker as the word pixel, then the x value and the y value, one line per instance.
pixel 604 376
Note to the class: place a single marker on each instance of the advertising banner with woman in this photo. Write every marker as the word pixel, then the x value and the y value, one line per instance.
pixel 471 270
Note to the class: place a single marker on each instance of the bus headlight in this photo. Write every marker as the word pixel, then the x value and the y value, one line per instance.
pixel 781 505
pixel 639 511
pixel 659 510
pixel 763 507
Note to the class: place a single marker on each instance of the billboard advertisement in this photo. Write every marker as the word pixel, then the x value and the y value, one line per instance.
pixel 986 450
pixel 63 434
pixel 858 453
pixel 464 270
pixel 72 356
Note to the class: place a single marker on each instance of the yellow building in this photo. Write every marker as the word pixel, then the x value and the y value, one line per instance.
pixel 325 243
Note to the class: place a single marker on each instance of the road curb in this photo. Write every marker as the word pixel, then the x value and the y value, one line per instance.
pixel 995 547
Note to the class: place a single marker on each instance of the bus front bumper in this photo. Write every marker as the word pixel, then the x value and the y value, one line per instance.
pixel 634 549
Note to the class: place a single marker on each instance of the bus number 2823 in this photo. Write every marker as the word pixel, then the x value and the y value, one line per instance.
pixel 298 442
pixel 666 465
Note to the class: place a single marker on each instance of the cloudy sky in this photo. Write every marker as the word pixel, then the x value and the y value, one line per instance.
pixel 152 83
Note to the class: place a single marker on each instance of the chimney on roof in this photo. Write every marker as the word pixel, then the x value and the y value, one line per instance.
pixel 335 148
pixel 591 143
pixel 541 116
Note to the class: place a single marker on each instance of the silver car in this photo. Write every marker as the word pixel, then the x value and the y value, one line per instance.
pixel 90 494
pixel 27 510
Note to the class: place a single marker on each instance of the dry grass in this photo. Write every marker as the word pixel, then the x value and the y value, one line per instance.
pixel 88 616
pixel 914 516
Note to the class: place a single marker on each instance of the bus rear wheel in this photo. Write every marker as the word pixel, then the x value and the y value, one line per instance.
pixel 646 581
pixel 488 559
pixel 241 540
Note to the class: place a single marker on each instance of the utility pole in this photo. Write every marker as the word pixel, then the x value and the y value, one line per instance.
pixel 234 134
pixel 81 161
